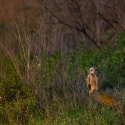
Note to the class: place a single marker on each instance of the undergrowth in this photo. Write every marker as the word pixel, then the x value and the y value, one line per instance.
pixel 58 95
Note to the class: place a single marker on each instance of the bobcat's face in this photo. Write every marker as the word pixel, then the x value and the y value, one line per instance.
pixel 93 71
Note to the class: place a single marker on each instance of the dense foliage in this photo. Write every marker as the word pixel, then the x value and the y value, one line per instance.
pixel 62 97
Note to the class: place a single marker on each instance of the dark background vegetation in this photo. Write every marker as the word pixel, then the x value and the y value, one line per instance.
pixel 46 48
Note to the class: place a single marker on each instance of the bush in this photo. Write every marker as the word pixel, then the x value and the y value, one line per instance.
pixel 59 91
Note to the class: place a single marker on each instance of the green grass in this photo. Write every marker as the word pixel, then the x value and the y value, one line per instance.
pixel 62 97
pixel 91 114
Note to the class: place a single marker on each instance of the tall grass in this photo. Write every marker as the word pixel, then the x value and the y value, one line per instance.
pixel 53 92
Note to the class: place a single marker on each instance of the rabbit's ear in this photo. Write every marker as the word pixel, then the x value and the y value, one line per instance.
pixel 103 99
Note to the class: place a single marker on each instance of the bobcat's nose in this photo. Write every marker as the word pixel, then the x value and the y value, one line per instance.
pixel 93 74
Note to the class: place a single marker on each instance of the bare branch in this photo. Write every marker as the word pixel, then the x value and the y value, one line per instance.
pixel 82 28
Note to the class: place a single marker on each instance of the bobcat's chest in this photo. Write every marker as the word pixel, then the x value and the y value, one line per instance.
pixel 93 79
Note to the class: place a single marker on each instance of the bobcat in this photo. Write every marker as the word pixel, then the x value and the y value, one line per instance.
pixel 93 79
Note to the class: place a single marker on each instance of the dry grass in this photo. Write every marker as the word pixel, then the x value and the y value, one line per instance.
pixel 49 88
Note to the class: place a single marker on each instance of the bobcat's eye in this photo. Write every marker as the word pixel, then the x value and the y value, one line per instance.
pixel 96 70
pixel 91 70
